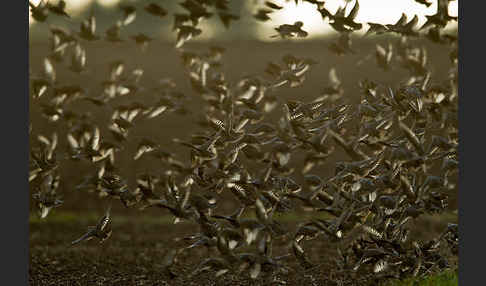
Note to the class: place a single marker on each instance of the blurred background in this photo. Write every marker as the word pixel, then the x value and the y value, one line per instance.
pixel 249 48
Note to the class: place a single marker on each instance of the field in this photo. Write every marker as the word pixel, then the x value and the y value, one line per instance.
pixel 134 253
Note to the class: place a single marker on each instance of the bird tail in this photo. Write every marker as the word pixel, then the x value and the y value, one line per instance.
pixel 86 236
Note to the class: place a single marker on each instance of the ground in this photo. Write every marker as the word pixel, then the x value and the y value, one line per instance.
pixel 134 253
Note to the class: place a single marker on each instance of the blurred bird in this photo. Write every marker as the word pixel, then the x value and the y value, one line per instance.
pixel 272 5
pixel 441 17
pixel 262 15
pixel 376 28
pixel 58 9
pixel 113 33
pixel 186 33
pixel 39 12
pixel 129 14
pixel 78 61
pixel 384 57
pixel 289 31
pixel 156 10
pixel 101 231
pixel 342 23
pixel 142 40
pixel 403 27
pixel 343 45
pixel 424 2
pixel 226 18
pixel 46 197
pixel 88 29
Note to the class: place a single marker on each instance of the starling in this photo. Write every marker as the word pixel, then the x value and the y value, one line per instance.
pixel 155 10
pixel 101 231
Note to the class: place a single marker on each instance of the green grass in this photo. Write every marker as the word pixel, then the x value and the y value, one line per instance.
pixel 447 278
pixel 92 217
pixel 57 216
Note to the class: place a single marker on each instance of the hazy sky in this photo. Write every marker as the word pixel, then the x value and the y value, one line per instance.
pixel 378 11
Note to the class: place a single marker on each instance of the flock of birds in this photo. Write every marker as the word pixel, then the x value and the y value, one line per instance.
pixel 400 142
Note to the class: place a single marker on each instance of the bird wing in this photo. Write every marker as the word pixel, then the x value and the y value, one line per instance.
pixel 72 141
pixel 95 139
pixel 354 11
pixel 402 20
pixel 92 24
pixel 184 201
pixel 410 25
